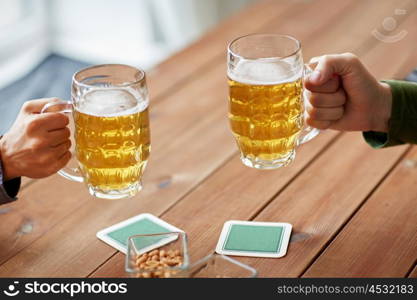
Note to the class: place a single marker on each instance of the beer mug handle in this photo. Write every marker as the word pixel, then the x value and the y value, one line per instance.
pixel 307 133
pixel 71 173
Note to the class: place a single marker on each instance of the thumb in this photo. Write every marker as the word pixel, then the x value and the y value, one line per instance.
pixel 329 65
pixel 35 106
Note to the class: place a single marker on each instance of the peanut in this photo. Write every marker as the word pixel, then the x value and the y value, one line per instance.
pixel 157 262
pixel 140 260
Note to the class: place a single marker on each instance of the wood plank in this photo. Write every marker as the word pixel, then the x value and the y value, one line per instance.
pixel 373 59
pixel 232 192
pixel 116 263
pixel 413 273
pixel 381 239
pixel 408 58
pixel 153 198
pixel 316 210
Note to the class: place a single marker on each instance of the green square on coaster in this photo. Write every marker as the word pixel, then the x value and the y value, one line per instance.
pixel 258 239
pixel 254 238
pixel 143 226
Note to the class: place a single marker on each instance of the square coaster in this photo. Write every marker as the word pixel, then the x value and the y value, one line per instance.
pixel 117 235
pixel 258 239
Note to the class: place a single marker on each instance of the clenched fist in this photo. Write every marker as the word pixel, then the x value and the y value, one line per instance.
pixel 37 145
pixel 343 95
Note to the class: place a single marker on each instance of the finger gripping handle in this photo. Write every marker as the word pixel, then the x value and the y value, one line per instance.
pixel 71 173
pixel 307 133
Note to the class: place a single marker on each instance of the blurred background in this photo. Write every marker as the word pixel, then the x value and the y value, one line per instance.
pixel 43 42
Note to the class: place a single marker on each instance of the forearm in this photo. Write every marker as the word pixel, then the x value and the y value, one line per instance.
pixel 402 124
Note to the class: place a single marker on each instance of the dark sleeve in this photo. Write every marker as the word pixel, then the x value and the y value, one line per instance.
pixel 8 189
pixel 403 121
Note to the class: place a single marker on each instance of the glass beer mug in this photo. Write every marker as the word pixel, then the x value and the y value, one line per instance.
pixel 266 102
pixel 109 106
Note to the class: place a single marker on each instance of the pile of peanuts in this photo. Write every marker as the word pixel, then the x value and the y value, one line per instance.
pixel 158 260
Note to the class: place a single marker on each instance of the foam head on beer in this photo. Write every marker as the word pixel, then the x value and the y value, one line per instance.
pixel 112 138
pixel 110 102
pixel 264 72
pixel 266 108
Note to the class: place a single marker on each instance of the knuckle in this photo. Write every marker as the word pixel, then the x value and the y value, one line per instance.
pixel 38 144
pixel 33 125
pixel 350 57
pixel 67 157
pixel 25 106
pixel 54 99
pixel 52 167
pixel 67 144
pixel 314 100
pixel 326 58
pixel 60 117
pixel 43 163
pixel 313 113
pixel 67 132
pixel 60 163
pixel 318 124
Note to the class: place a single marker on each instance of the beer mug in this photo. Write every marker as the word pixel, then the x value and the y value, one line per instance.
pixel 266 102
pixel 109 106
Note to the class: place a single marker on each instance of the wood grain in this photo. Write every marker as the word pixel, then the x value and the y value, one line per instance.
pixel 381 239
pixel 191 180
pixel 185 120
pixel 232 192
pixel 318 211
pixel 408 58
pixel 200 210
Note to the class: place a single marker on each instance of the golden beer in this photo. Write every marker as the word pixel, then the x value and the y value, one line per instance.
pixel 112 139
pixel 266 102
pixel 266 119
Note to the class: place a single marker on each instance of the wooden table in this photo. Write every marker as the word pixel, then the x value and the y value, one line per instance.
pixel 353 208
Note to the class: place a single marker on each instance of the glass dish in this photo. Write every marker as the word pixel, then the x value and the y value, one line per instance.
pixel 160 255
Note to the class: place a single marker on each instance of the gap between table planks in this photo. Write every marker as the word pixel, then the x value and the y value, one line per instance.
pixel 408 60
pixel 413 273
pixel 70 194
pixel 118 260
pixel 381 238
pixel 288 27
pixel 316 210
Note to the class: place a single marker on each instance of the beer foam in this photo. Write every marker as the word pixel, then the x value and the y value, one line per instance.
pixel 265 72
pixel 111 103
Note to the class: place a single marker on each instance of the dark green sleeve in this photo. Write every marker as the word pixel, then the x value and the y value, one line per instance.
pixel 403 120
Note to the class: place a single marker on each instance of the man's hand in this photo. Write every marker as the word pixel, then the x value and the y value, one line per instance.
pixel 343 95
pixel 37 145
